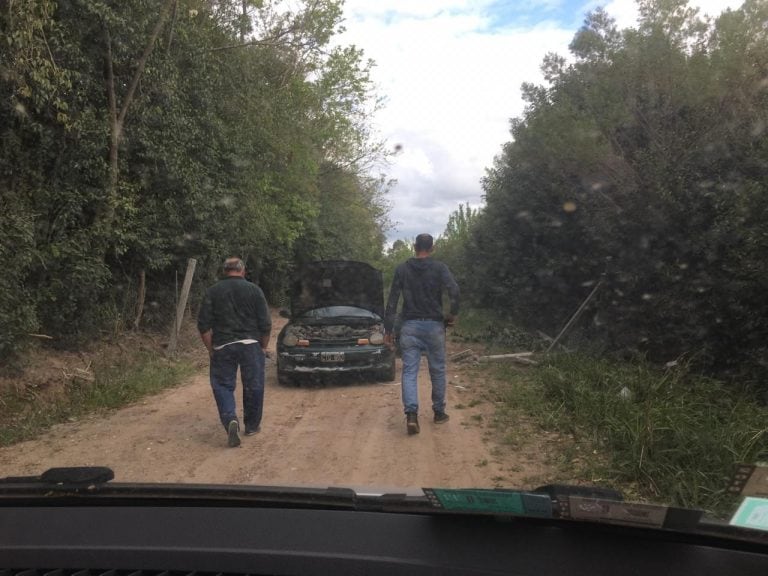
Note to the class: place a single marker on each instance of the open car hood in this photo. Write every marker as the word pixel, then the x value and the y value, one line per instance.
pixel 337 283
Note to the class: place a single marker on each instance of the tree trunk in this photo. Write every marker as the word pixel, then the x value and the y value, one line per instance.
pixel 180 307
pixel 117 116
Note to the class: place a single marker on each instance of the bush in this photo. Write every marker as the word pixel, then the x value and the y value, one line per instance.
pixel 17 310
pixel 489 328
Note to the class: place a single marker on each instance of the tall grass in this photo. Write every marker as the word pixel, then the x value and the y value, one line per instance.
pixel 25 415
pixel 675 436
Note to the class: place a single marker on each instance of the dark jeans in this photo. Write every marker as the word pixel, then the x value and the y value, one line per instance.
pixel 224 364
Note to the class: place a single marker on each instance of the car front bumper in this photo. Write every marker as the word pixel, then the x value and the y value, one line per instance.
pixel 309 360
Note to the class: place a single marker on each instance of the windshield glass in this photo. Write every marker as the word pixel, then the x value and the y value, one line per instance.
pixel 564 202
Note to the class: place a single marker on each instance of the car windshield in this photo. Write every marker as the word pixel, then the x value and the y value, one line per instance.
pixel 556 211
pixel 340 311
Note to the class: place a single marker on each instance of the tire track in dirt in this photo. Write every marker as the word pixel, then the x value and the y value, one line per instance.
pixel 341 435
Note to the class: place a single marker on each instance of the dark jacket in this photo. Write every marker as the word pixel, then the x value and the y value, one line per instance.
pixel 421 282
pixel 234 309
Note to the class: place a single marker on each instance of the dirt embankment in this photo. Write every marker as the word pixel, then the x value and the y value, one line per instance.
pixel 342 435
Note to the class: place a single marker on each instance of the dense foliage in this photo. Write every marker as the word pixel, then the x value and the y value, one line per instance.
pixel 135 134
pixel 642 163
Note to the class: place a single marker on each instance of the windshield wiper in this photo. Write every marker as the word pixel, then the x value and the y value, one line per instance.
pixel 77 476
pixel 94 486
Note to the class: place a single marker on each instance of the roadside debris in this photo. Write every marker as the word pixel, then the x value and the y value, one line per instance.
pixel 517 357
pixel 463 355
pixel 574 317
pixel 81 373
pixel 547 338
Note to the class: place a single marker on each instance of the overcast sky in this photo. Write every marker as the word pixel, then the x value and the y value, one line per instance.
pixel 450 73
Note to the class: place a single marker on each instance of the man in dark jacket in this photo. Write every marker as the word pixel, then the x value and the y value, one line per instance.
pixel 235 326
pixel 421 281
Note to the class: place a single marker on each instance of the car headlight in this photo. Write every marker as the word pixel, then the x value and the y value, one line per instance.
pixel 290 339
pixel 376 338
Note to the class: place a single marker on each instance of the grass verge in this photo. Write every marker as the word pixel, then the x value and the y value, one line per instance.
pixel 26 412
pixel 668 435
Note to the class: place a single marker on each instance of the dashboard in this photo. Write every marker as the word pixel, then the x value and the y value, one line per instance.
pixel 176 537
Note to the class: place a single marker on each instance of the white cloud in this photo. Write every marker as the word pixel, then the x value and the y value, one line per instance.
pixel 623 11
pixel 452 85
pixel 451 72
pixel 716 7
pixel 396 9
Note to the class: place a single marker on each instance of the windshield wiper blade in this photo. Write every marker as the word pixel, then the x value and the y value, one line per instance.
pixel 93 484
pixel 67 476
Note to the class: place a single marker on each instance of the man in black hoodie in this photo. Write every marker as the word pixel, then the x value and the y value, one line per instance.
pixel 421 281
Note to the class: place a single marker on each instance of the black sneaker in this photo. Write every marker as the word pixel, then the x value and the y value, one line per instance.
pixel 441 417
pixel 233 436
pixel 412 423
pixel 252 431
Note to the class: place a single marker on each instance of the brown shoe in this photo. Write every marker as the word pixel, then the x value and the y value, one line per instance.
pixel 412 423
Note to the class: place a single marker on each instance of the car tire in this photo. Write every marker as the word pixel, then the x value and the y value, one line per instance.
pixel 388 374
pixel 284 379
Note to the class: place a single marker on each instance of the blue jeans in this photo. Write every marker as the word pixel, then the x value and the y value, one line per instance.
pixel 224 364
pixel 417 337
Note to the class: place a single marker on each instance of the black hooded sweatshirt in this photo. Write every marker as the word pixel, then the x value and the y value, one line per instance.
pixel 421 282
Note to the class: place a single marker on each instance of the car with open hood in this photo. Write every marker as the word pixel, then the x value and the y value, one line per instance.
pixel 336 323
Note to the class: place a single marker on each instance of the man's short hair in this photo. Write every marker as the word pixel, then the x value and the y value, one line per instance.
pixel 233 265
pixel 423 243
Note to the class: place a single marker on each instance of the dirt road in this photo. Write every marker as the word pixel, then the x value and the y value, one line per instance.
pixel 342 435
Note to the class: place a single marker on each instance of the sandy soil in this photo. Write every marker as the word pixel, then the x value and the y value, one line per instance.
pixel 350 434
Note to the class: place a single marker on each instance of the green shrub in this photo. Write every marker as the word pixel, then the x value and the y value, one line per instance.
pixel 17 311
pixel 674 435
pixel 488 327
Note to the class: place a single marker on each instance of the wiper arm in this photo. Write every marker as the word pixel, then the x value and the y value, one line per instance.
pixel 93 485
pixel 70 477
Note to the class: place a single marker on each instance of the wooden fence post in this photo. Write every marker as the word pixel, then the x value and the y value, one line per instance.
pixel 181 306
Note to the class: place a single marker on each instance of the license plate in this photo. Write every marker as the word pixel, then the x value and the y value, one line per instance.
pixel 332 356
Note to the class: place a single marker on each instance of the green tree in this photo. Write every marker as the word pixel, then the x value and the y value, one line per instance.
pixel 452 245
pixel 137 135
pixel 642 162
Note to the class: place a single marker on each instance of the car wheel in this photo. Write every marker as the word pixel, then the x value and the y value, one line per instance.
pixel 390 373
pixel 284 379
